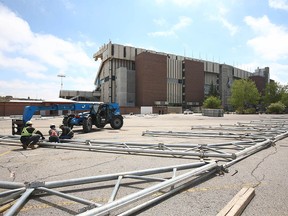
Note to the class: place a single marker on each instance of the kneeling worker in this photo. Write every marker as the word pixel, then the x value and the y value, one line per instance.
pixel 53 134
pixel 67 133
pixel 30 136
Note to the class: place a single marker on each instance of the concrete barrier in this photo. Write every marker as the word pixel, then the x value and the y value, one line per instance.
pixel 213 112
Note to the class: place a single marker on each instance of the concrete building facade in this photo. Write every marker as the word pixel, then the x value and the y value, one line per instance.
pixel 136 77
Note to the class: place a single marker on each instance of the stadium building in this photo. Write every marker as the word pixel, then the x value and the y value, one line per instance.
pixel 136 77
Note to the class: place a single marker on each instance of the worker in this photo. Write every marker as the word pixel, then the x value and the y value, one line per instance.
pixel 30 136
pixel 67 133
pixel 53 134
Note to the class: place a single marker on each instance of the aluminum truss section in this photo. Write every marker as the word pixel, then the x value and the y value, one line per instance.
pixel 167 186
pixel 156 149
pixel 225 150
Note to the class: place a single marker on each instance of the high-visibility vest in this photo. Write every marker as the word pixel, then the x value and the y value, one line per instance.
pixel 25 132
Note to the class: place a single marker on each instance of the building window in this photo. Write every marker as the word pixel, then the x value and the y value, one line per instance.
pixel 124 52
pixel 106 79
pixel 112 50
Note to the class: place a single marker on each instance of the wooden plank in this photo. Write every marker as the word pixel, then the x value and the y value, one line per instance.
pixel 242 203
pixel 238 203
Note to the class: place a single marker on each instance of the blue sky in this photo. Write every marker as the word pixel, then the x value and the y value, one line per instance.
pixel 40 39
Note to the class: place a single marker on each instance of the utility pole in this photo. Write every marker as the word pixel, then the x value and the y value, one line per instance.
pixel 61 76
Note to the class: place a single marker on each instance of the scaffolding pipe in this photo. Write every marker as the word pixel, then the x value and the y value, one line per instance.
pixel 12 196
pixel 92 179
pixel 147 151
pixel 199 179
pixel 16 207
pixel 253 149
pixel 5 193
pixel 190 134
pixel 109 207
pixel 69 197
pixel 281 136
pixel 11 185
pixel 179 145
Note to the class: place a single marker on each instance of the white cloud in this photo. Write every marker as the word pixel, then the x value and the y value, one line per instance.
pixel 30 68
pixel 231 28
pixel 15 32
pixel 279 4
pixel 68 5
pixel 160 22
pixel 278 72
pixel 28 88
pixel 180 3
pixel 221 17
pixel 37 57
pixel 183 23
pixel 271 41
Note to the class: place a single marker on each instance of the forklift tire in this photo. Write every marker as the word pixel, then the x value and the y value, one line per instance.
pixel 116 122
pixel 87 125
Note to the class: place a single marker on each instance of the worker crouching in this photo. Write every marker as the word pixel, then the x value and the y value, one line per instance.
pixel 53 134
pixel 30 136
pixel 67 133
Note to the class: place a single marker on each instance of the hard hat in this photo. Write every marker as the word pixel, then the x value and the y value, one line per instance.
pixel 52 126
pixel 29 123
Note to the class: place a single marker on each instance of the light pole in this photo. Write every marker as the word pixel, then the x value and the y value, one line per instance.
pixel 61 76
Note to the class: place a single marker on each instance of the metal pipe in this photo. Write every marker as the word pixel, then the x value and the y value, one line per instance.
pixel 189 134
pixel 11 185
pixel 92 179
pixel 15 208
pixel 115 190
pixel 109 207
pixel 70 197
pixel 181 145
pixel 5 193
pixel 12 196
pixel 254 148
pixel 281 136
pixel 145 178
pixel 147 151
pixel 173 190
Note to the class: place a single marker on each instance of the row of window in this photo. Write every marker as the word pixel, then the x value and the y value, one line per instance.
pixel 106 79
pixel 124 51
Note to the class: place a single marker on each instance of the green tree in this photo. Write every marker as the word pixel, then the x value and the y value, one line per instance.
pixel 273 93
pixel 276 108
pixel 213 90
pixel 284 99
pixel 212 102
pixel 244 95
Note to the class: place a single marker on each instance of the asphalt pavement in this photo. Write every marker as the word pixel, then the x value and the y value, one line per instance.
pixel 266 170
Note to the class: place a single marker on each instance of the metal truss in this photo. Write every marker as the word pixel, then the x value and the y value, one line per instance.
pixel 227 150
pixel 244 139
pixel 165 187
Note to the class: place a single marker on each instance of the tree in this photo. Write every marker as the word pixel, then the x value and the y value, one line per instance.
pixel 244 95
pixel 273 93
pixel 276 108
pixel 284 99
pixel 212 102
pixel 213 90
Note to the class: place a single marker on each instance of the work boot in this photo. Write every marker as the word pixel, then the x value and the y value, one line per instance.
pixel 24 146
pixel 31 146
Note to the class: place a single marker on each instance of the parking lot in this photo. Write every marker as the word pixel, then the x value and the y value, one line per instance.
pixel 265 170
